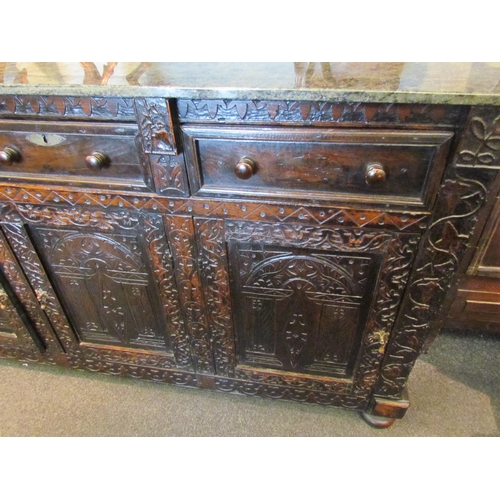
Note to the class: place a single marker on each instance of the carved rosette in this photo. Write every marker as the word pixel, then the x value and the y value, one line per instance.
pixel 215 279
pixel 155 124
pixel 305 112
pixel 181 237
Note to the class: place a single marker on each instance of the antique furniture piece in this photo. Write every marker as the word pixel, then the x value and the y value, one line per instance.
pixel 291 237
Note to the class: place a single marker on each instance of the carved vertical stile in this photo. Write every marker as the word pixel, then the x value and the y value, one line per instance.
pixel 215 279
pixel 33 269
pixel 392 280
pixel 462 194
pixel 181 236
pixel 13 273
pixel 161 259
pixel 155 124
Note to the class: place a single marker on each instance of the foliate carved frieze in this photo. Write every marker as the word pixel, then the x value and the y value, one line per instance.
pixel 291 393
pixel 62 217
pixel 155 124
pixel 112 365
pixel 244 210
pixel 169 175
pixel 123 357
pixel 480 144
pixel 307 112
pixel 445 242
pixel 181 237
pixel 215 279
pixel 306 236
pixel 101 108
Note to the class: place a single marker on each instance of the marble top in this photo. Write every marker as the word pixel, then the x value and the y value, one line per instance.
pixel 444 83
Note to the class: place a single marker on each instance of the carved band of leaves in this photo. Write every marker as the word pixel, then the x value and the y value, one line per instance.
pixel 310 236
pixel 95 363
pixel 219 110
pixel 89 107
pixel 74 217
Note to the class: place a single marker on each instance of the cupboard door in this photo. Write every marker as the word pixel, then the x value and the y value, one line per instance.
pixel 106 283
pixel 313 306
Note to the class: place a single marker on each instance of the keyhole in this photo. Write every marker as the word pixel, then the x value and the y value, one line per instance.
pixel 45 139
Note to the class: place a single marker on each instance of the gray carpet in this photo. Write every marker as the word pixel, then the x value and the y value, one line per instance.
pixel 454 391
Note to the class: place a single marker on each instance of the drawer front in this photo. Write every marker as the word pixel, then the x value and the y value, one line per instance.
pixel 362 166
pixel 52 152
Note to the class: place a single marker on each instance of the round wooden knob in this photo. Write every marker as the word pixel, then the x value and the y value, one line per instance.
pixel 97 160
pixel 245 168
pixel 8 156
pixel 375 174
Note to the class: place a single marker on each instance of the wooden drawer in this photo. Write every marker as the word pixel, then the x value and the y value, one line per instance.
pixel 55 152
pixel 397 167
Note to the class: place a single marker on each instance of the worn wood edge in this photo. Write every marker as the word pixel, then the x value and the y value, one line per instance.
pixel 338 95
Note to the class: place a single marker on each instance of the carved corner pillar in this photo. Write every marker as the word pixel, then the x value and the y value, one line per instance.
pixel 463 193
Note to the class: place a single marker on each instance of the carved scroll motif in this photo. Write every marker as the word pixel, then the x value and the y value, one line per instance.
pixel 461 197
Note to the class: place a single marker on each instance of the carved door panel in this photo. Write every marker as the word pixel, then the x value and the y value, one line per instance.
pixel 313 306
pixel 17 336
pixel 106 283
